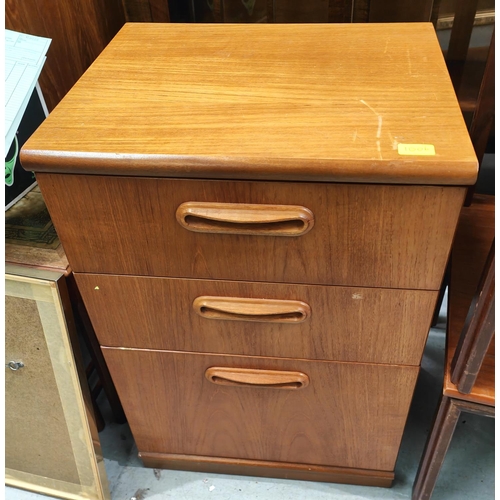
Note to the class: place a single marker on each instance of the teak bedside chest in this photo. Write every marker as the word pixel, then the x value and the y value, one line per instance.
pixel 259 218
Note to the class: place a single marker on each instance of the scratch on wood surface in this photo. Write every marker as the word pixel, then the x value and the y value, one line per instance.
pixel 355 136
pixel 393 140
pixel 379 130
pixel 367 105
pixel 379 127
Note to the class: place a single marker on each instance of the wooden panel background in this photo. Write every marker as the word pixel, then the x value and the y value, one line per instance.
pixel 147 11
pixel 79 32
pixel 290 11
pixel 400 11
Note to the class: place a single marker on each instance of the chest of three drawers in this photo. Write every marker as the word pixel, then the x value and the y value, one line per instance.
pixel 258 316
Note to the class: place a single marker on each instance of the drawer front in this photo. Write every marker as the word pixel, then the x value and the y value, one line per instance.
pixel 260 319
pixel 343 234
pixel 324 413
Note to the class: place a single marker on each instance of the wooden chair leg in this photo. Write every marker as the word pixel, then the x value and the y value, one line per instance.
pixel 435 449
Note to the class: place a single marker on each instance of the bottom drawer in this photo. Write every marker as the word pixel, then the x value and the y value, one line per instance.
pixel 316 412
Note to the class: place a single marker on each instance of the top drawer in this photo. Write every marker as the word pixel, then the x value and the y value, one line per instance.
pixel 362 235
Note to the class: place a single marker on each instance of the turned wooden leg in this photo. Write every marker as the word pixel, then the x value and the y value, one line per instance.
pixel 435 449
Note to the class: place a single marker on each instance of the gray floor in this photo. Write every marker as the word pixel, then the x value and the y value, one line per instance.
pixel 468 471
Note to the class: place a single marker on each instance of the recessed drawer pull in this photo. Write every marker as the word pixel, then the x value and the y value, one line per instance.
pixel 246 309
pixel 257 378
pixel 239 218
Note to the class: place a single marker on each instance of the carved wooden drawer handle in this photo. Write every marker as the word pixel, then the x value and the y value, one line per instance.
pixel 257 378
pixel 239 218
pixel 243 309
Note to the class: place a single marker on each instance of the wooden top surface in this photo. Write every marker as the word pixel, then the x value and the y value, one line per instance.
pixel 326 102
pixel 475 233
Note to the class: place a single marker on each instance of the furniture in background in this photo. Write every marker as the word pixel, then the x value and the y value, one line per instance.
pixel 51 441
pixel 440 12
pixel 262 258
pixel 480 128
pixel 79 32
pixel 31 242
pixel 468 64
pixel 293 11
pixel 154 11
pixel 483 117
pixel 469 384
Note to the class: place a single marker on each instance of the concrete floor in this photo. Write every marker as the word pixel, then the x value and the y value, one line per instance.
pixel 468 471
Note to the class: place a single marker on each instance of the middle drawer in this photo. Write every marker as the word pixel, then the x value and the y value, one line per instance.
pixel 373 325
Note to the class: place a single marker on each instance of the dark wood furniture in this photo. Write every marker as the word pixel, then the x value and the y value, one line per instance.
pixel 259 236
pixel 155 11
pixel 286 11
pixel 469 384
pixel 79 31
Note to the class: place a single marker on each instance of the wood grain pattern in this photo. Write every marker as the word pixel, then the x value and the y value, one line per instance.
pixel 397 236
pixel 79 32
pixel 328 102
pixel 475 233
pixel 262 468
pixel 38 258
pixel 349 324
pixel 350 415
